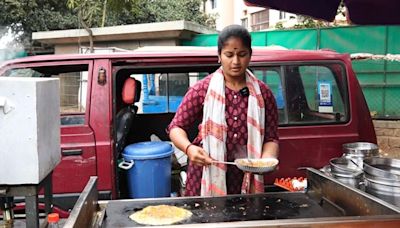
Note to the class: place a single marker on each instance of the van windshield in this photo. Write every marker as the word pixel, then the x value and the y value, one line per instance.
pixel 308 93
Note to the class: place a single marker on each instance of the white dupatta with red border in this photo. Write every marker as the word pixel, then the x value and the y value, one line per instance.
pixel 214 132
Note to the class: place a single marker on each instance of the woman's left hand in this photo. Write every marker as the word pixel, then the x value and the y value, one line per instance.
pixel 270 150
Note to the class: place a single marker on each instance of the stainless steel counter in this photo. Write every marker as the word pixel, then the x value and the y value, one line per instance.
pixel 326 202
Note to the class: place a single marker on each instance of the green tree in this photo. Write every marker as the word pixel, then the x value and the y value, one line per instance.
pixel 90 12
pixel 169 10
pixel 27 16
pixel 309 22
pixel 94 12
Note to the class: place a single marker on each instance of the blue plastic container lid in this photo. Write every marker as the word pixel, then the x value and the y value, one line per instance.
pixel 147 150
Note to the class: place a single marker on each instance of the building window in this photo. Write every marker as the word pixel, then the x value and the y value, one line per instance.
pixel 245 22
pixel 213 4
pixel 282 15
pixel 260 20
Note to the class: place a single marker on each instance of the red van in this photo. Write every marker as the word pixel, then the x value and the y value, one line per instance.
pixel 321 106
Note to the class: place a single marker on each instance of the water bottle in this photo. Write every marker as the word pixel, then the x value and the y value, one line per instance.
pixel 52 220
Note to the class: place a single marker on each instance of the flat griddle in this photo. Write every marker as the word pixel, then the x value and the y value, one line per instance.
pixel 267 206
pixel 326 202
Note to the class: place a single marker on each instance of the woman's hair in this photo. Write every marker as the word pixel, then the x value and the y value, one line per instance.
pixel 234 31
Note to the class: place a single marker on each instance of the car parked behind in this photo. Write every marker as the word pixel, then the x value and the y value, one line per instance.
pixel 321 106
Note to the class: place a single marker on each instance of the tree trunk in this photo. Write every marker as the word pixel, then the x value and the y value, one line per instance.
pixel 89 31
pixel 103 19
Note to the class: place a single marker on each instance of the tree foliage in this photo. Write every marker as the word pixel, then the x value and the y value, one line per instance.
pixel 140 11
pixel 94 12
pixel 27 16
pixel 164 10
pixel 309 22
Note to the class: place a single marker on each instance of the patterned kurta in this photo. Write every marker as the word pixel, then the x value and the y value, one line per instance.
pixel 191 110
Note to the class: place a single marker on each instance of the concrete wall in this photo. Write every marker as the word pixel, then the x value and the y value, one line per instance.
pixel 388 134
pixel 127 37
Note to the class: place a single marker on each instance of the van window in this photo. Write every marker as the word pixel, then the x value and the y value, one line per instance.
pixel 323 94
pixel 272 77
pixel 73 88
pixel 307 94
pixel 163 92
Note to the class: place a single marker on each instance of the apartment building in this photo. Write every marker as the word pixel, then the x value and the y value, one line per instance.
pixel 237 12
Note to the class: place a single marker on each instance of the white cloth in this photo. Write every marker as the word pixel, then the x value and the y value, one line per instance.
pixel 214 132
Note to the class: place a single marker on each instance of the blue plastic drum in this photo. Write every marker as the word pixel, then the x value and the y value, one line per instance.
pixel 149 169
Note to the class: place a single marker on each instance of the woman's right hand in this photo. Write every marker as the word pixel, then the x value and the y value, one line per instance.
pixel 198 156
pixel 195 153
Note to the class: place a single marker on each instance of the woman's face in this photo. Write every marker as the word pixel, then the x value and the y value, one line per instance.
pixel 235 57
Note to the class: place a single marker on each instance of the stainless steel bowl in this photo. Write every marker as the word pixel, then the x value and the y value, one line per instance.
pixel 375 180
pixel 387 168
pixel 344 165
pixel 354 179
pixel 388 193
pixel 382 178
pixel 361 149
pixel 357 151
pixel 346 172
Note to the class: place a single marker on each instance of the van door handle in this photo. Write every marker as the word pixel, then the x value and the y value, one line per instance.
pixel 71 152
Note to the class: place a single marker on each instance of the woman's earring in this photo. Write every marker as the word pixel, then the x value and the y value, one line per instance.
pixel 219 60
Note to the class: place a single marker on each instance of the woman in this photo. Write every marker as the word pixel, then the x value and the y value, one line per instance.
pixel 239 119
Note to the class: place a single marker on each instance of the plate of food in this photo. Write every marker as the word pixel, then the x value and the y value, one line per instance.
pixel 253 165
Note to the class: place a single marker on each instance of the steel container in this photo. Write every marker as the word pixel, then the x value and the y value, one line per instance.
pixel 347 172
pixel 388 168
pixel 383 189
pixel 357 151
pixel 382 178
pixel 355 180
pixel 344 165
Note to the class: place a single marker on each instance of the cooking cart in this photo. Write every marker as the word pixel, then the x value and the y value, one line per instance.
pixel 326 202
